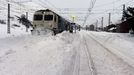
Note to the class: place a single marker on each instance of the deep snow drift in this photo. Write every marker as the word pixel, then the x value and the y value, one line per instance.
pixel 64 54
pixel 33 55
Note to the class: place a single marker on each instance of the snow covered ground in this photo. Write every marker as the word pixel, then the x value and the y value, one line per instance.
pixel 81 53
pixel 64 54
pixel 106 60
pixel 32 55
pixel 15 31
pixel 121 44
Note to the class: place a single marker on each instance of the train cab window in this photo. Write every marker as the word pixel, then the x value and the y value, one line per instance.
pixel 48 17
pixel 38 17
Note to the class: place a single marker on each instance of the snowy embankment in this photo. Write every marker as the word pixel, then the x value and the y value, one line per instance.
pixel 121 44
pixel 38 55
pixel 15 31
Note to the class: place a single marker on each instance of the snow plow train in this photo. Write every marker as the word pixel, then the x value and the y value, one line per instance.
pixel 45 21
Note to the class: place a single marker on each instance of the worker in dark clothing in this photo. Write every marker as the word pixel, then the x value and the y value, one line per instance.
pixel 71 29
pixel 66 27
pixel 79 27
pixel 54 31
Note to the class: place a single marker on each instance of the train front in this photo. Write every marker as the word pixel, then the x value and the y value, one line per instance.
pixel 43 22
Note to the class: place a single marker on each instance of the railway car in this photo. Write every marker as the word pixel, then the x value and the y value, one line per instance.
pixel 47 20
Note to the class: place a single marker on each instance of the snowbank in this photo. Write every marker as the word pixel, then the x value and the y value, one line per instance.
pixel 15 31
pixel 121 44
pixel 43 55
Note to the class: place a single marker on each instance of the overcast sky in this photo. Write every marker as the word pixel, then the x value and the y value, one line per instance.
pixel 78 8
pixel 101 9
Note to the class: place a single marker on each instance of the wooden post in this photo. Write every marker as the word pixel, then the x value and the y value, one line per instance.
pixel 102 23
pixel 96 25
pixel 109 21
pixel 123 12
pixel 8 23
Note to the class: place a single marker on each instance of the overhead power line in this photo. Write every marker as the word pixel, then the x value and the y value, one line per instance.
pixel 115 10
pixel 81 9
pixel 79 13
pixel 110 3
pixel 51 4
pixel 92 3
pixel 22 1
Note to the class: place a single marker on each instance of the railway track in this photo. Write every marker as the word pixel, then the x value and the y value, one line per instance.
pixel 102 61
pixel 90 60
pixel 120 56
pixel 96 59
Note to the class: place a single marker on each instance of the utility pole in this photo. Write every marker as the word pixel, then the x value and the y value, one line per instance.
pixel 26 15
pixel 123 7
pixel 109 20
pixel 27 19
pixel 8 23
pixel 102 23
pixel 96 25
pixel 123 12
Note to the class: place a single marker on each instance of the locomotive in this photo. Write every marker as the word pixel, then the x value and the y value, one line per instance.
pixel 47 20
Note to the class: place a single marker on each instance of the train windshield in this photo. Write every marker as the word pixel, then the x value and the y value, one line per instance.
pixel 48 17
pixel 38 17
